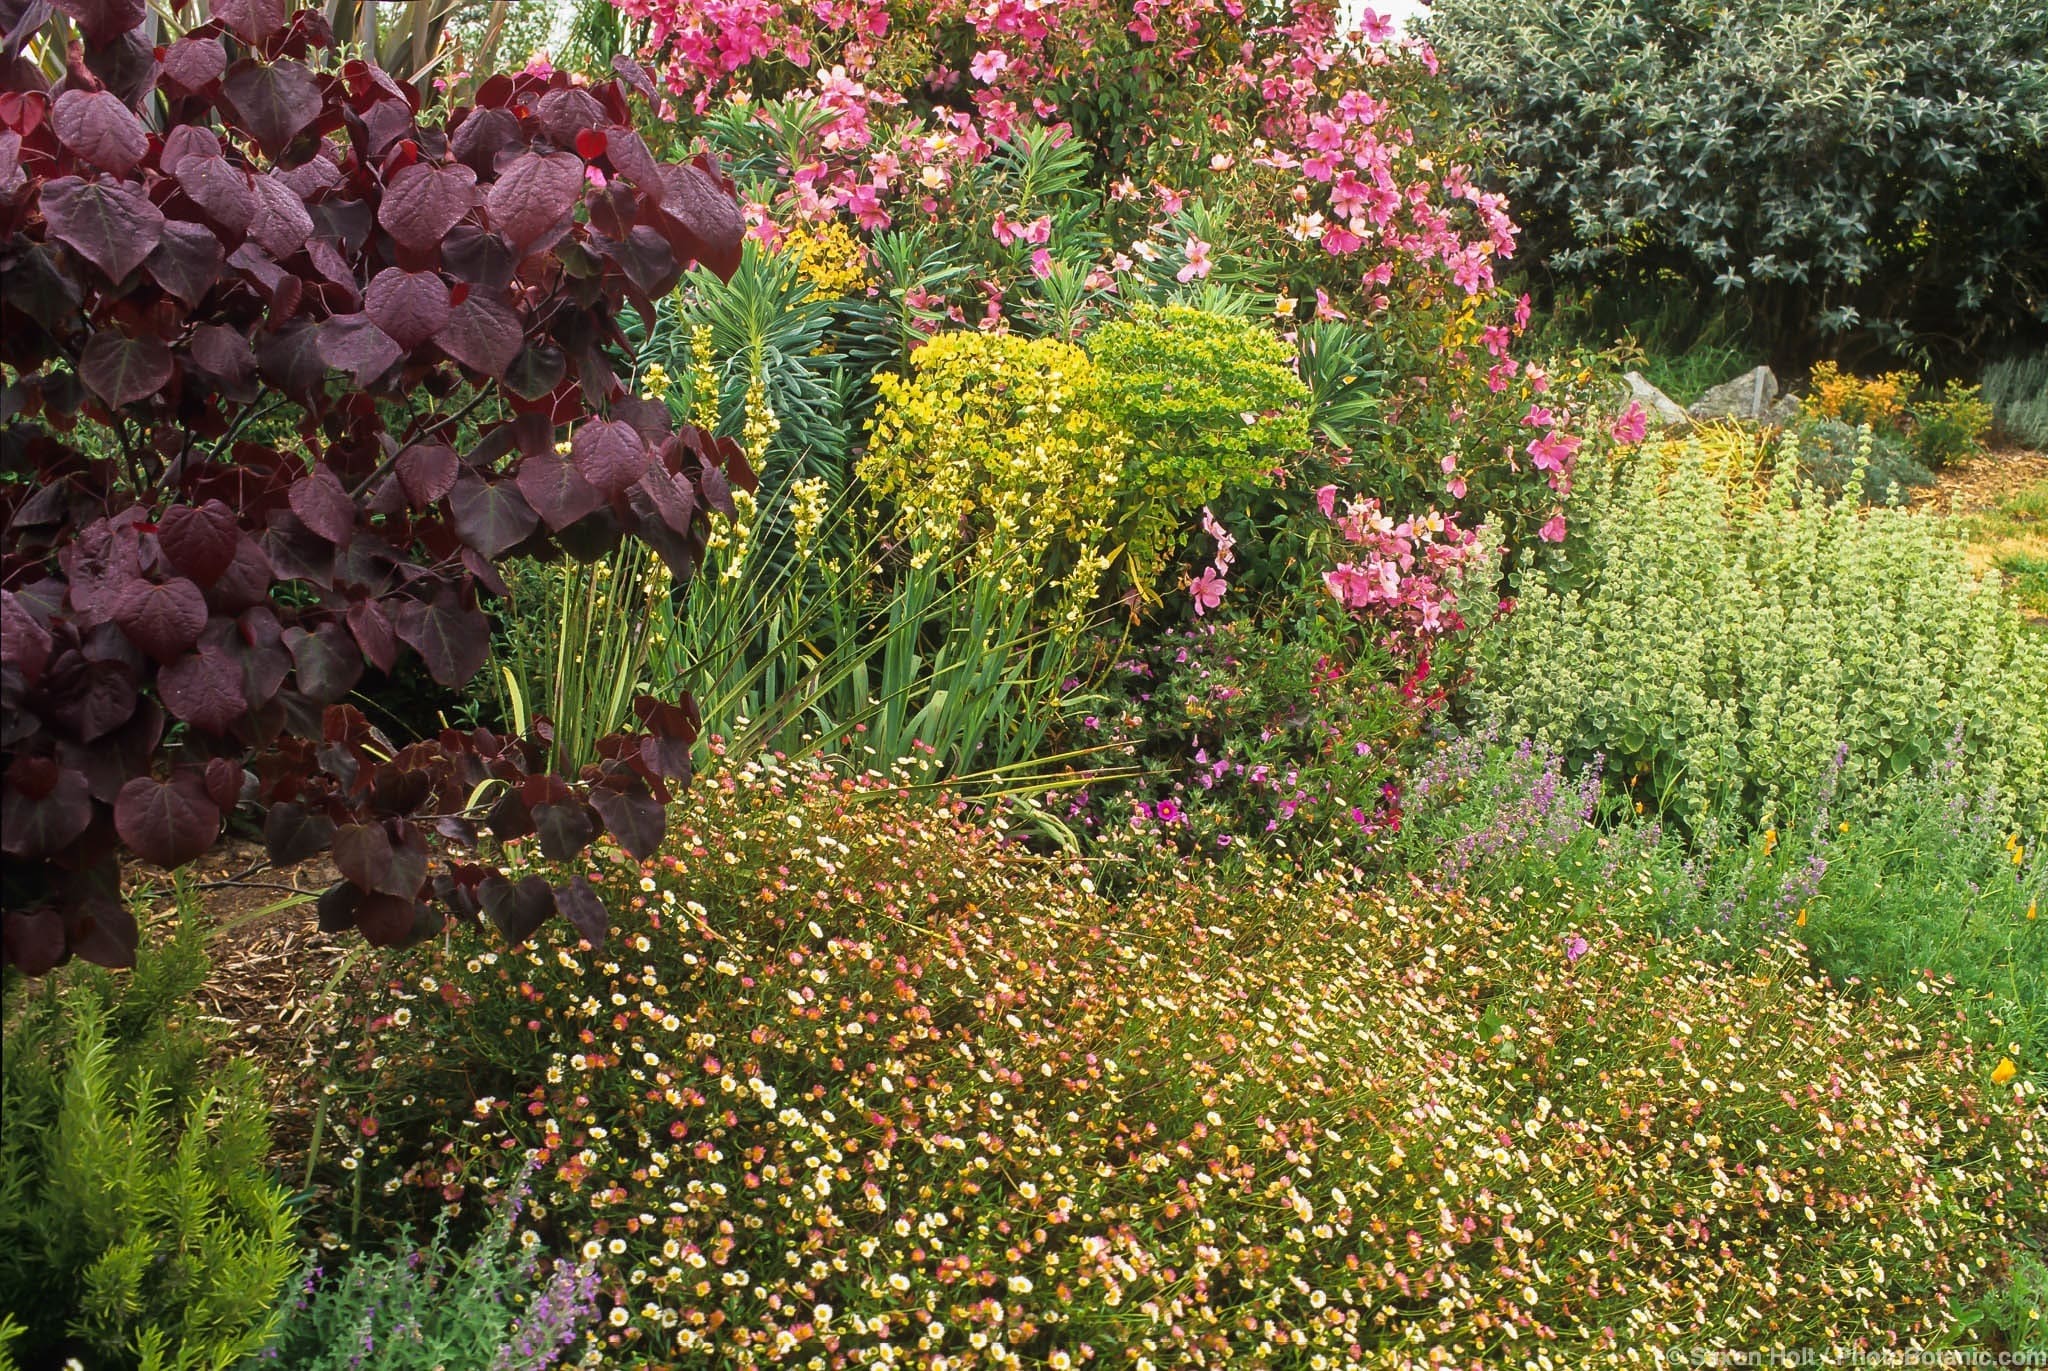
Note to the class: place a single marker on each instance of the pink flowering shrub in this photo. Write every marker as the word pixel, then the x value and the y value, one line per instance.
pixel 1081 156
pixel 857 1081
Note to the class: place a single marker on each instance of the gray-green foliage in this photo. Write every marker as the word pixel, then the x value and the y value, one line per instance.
pixel 2016 388
pixel 1834 164
pixel 1720 648
pixel 1830 452
pixel 439 1307
pixel 138 1215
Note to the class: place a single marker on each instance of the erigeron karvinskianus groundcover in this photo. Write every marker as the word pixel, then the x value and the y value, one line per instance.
pixel 289 354
pixel 860 1082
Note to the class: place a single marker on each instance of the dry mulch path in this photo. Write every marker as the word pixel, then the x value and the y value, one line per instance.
pixel 1979 484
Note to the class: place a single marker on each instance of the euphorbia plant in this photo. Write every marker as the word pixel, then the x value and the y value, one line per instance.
pixel 287 366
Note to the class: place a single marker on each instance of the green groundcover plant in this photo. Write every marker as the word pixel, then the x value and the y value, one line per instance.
pixel 859 1081
pixel 1717 644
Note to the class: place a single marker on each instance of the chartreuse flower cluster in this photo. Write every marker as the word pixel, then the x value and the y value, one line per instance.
pixel 858 1083
pixel 1000 440
pixel 1033 445
pixel 1210 403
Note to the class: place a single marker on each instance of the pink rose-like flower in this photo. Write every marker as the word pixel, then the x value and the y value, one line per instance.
pixel 987 66
pixel 1041 263
pixel 1208 591
pixel 1198 262
pixel 1632 424
pixel 1553 531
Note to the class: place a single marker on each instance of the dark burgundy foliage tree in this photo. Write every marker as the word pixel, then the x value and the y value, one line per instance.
pixel 287 366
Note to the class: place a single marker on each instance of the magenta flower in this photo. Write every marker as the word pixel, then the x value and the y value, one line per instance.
pixel 1326 501
pixel 1632 425
pixel 1198 262
pixel 1208 591
pixel 1553 531
pixel 1575 949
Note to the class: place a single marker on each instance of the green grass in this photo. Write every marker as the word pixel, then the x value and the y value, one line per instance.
pixel 2014 538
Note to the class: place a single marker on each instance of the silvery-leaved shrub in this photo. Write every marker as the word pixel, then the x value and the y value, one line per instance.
pixel 1720 645
pixel 1832 165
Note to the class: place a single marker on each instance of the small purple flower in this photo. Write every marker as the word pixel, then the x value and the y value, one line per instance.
pixel 1575 949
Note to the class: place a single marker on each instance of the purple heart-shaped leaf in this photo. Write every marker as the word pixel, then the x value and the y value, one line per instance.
pixel 633 817
pixel 199 540
pixel 351 343
pixel 327 662
pixel 610 454
pixel 193 63
pixel 187 262
pixel 581 906
pixel 42 819
pixel 411 306
pixel 110 224
pixel 95 125
pixel 166 822
pixel 533 195
pixel 204 688
pixel 490 515
pixel 516 910
pixel 105 20
pixel 221 189
pixel 323 505
pixel 163 620
pixel 225 356
pixel 292 834
pixel 424 201
pixel 426 473
pixel 555 489
pixel 274 101
pixel 482 334
pixel 281 223
pixel 453 641
pixel 123 370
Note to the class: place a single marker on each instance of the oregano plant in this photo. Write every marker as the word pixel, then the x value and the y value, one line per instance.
pixel 291 363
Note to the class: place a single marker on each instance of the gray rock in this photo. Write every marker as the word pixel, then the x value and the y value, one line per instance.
pixel 1751 396
pixel 1663 411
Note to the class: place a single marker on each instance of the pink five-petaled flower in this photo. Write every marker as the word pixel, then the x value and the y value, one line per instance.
pixel 1553 530
pixel 1041 263
pixel 1198 262
pixel 1632 424
pixel 1207 591
pixel 987 66
pixel 1575 949
pixel 1326 501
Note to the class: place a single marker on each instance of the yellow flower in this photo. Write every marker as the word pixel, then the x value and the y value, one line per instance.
pixel 1801 920
pixel 2004 1071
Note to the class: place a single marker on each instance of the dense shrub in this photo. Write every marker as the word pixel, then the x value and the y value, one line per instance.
pixel 862 1084
pixel 1939 426
pixel 1718 644
pixel 139 1223
pixel 1842 168
pixel 287 357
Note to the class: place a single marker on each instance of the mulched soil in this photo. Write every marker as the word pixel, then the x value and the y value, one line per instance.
pixel 1980 484
pixel 272 967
